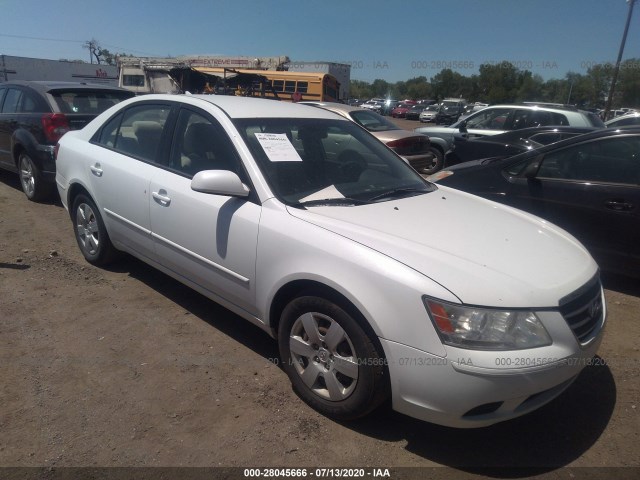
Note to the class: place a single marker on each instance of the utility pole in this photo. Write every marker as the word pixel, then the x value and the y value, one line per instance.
pixel 617 67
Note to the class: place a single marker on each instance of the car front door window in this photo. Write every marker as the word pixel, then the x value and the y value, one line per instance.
pixel 611 161
pixel 201 144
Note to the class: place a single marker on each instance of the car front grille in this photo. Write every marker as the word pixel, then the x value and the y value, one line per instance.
pixel 584 311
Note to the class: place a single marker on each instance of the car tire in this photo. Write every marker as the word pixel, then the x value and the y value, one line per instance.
pixel 436 163
pixel 31 179
pixel 90 232
pixel 333 364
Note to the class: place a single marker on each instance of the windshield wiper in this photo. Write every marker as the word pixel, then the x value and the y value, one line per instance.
pixel 398 191
pixel 332 201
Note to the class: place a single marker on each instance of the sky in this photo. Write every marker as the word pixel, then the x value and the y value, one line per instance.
pixel 390 40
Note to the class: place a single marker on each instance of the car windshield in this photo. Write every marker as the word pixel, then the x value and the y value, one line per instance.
pixel 87 102
pixel 327 162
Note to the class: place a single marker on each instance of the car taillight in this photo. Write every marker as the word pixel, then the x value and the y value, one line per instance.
pixel 55 125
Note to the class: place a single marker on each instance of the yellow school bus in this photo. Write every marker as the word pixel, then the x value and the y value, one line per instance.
pixel 283 85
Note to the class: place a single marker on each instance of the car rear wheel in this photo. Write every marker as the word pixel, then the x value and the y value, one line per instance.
pixel 91 234
pixel 332 363
pixel 31 180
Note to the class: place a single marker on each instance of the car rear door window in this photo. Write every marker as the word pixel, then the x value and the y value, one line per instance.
pixel 137 132
pixel 489 119
pixel 28 104
pixel 526 118
pixel 11 101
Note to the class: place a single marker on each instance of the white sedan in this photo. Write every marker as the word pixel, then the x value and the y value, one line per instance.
pixel 375 282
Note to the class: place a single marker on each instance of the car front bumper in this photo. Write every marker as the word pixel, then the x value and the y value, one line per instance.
pixel 473 388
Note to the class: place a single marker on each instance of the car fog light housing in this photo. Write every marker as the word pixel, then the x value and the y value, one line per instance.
pixel 486 328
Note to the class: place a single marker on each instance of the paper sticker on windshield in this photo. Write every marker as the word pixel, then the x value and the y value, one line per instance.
pixel 278 147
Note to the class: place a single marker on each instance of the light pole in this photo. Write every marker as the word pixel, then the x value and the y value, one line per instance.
pixel 617 67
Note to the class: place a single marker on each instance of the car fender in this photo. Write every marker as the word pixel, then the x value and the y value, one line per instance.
pixel 387 293
pixel 23 139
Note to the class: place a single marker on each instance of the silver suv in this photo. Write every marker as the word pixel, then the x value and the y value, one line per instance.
pixel 501 118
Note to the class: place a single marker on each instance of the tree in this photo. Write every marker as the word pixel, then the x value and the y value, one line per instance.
pixel 93 47
pixel 530 87
pixel 629 86
pixel 381 88
pixel 101 55
pixel 448 83
pixel 499 82
pixel 360 89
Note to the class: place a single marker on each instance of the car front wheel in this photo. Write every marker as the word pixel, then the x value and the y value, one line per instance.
pixel 436 161
pixel 332 363
pixel 91 234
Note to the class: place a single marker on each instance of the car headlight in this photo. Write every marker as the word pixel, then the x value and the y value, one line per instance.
pixel 485 328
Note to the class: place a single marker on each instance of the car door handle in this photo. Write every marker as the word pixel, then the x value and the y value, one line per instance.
pixel 618 205
pixel 96 170
pixel 161 197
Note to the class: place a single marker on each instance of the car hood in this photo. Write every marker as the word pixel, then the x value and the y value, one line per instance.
pixel 483 252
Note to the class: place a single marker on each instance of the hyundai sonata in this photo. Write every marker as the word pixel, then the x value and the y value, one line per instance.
pixel 376 283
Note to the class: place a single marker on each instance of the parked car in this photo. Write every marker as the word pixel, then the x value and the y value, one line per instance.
pixel 301 222
pixel 624 120
pixel 375 104
pixel 448 115
pixel 501 118
pixel 429 113
pixel 414 112
pixel 507 144
pixel 400 111
pixel 34 115
pixel 588 184
pixel 388 106
pixel 413 147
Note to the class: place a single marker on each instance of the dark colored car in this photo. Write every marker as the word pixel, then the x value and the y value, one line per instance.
pixel 507 144
pixel 33 117
pixel 448 115
pixel 414 112
pixel 588 184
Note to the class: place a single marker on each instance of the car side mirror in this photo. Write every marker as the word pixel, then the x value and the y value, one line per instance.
pixel 531 170
pixel 463 127
pixel 219 182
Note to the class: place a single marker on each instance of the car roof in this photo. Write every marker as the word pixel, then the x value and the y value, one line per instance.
pixel 246 107
pixel 528 132
pixel 622 117
pixel 536 106
pixel 44 86
pixel 335 106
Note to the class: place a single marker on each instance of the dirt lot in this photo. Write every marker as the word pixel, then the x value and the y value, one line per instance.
pixel 126 367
